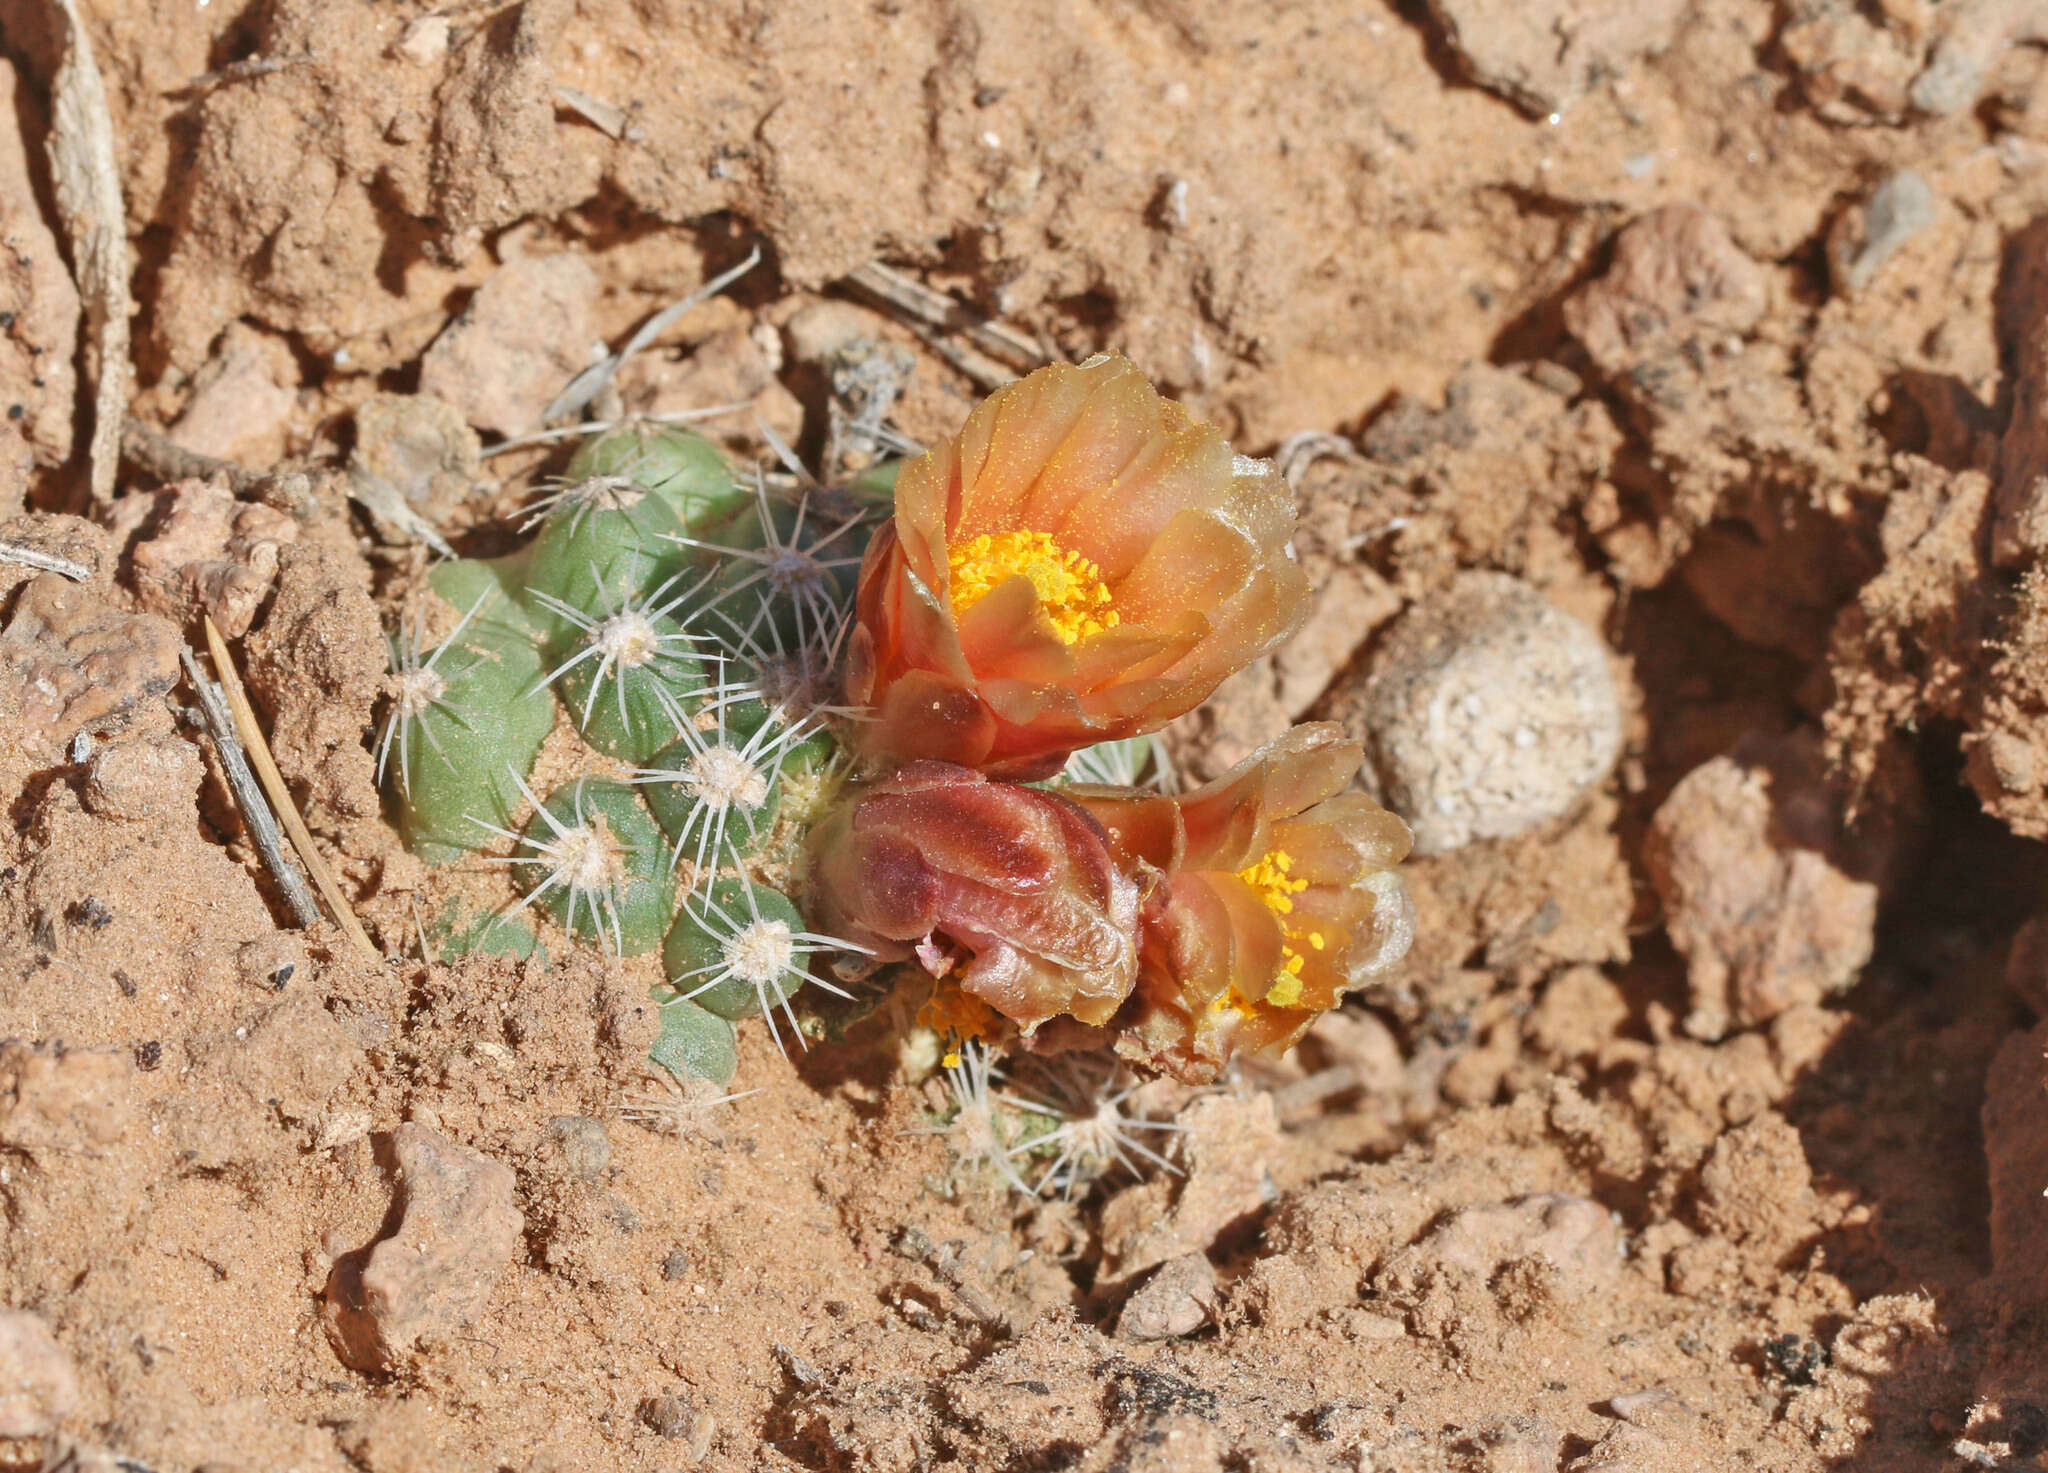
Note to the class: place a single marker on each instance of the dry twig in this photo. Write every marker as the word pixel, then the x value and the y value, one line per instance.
pixel 608 118
pixel 153 451
pixel 273 783
pixel 167 460
pixel 984 372
pixel 234 764
pixel 88 186
pixel 28 557
pixel 914 300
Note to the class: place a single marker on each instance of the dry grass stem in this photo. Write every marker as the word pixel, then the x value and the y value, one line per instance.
pixel 280 795
pixel 914 300
pixel 234 763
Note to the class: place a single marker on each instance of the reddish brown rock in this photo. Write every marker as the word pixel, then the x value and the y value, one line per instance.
pixel 459 1226
pixel 241 400
pixel 1546 54
pixel 76 660
pixel 1677 275
pixel 1771 901
pixel 525 334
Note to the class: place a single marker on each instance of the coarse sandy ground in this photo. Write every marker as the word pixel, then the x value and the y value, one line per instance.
pixel 1703 1128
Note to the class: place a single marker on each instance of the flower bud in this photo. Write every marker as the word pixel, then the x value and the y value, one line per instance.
pixel 1011 885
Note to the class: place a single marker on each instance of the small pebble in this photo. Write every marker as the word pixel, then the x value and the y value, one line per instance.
pixel 1488 711
pixel 1866 238
pixel 1177 1300
pixel 585 1149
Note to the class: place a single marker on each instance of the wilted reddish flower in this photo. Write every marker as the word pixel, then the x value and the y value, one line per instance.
pixel 1013 885
pixel 1082 562
pixel 1279 895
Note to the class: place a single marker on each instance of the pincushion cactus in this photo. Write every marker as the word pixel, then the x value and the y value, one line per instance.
pixel 903 755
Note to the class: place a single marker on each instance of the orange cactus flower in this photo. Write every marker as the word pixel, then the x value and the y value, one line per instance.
pixel 1009 889
pixel 1083 562
pixel 1279 894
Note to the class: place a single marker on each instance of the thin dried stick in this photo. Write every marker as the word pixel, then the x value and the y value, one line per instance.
pixel 983 371
pixel 234 763
pixel 291 492
pixel 167 460
pixel 273 784
pixel 606 117
pixel 88 186
pixel 1306 1093
pixel 912 298
pixel 28 557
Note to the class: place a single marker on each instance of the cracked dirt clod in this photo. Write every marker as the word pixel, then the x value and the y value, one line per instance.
pixel 76 660
pixel 1677 276
pixel 1488 711
pixel 459 1226
pixel 141 779
pixel 56 1102
pixel 1572 1238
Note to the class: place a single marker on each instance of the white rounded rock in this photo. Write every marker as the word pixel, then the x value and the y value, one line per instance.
pixel 1487 711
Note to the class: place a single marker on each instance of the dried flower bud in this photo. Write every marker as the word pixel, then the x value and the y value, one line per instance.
pixel 1279 895
pixel 1013 882
pixel 1081 563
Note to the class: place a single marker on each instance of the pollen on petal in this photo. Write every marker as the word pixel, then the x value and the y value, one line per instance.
pixel 1075 600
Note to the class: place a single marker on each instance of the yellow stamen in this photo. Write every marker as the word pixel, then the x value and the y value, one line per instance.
pixel 1075 600
pixel 953 1015
pixel 1268 876
pixel 1271 879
